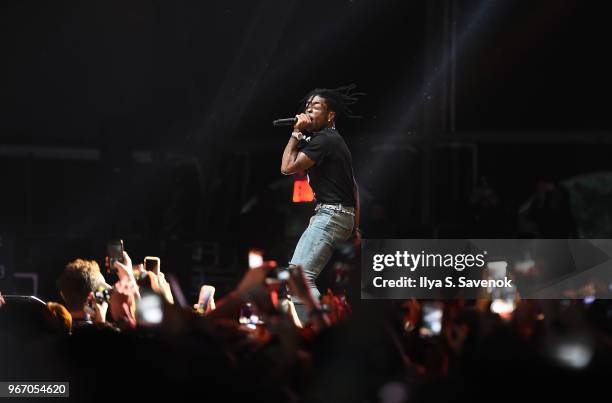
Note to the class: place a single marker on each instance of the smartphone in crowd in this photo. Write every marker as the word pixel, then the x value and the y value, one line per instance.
pixel 152 263
pixel 102 295
pixel 277 274
pixel 114 251
pixel 255 258
pixel 431 319
pixel 206 299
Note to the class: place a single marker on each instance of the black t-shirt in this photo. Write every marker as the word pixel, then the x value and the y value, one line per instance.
pixel 331 177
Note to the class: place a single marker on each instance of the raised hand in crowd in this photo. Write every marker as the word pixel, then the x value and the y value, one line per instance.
pixel 254 279
pixel 155 282
pixel 123 303
pixel 125 272
pixel 252 284
pixel 96 311
pixel 164 287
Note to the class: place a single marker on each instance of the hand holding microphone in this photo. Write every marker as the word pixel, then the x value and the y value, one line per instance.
pixel 303 122
pixel 293 122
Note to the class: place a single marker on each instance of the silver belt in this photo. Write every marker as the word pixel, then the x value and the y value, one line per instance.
pixel 336 207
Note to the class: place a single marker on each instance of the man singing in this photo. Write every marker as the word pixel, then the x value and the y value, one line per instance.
pixel 317 147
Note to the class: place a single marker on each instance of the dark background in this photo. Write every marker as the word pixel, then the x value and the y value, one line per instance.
pixel 150 121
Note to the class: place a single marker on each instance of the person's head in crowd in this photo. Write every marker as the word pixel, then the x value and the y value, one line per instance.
pixel 78 283
pixel 25 318
pixel 61 316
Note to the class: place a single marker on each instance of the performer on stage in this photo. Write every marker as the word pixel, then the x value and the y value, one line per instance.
pixel 317 147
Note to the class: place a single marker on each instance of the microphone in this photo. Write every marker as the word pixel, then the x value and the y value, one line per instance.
pixel 284 122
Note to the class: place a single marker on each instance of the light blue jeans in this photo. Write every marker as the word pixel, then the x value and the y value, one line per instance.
pixel 326 230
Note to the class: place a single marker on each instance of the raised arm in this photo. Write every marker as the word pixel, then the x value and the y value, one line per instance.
pixel 294 161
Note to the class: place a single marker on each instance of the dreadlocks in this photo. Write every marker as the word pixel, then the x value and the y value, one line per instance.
pixel 338 99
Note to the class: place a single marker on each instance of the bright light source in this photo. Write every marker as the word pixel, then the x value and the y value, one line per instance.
pixel 302 192
pixel 150 309
pixel 575 354
pixel 255 258
pixel 503 308
pixel 432 320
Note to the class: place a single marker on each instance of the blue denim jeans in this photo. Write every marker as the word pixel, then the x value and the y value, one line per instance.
pixel 326 230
